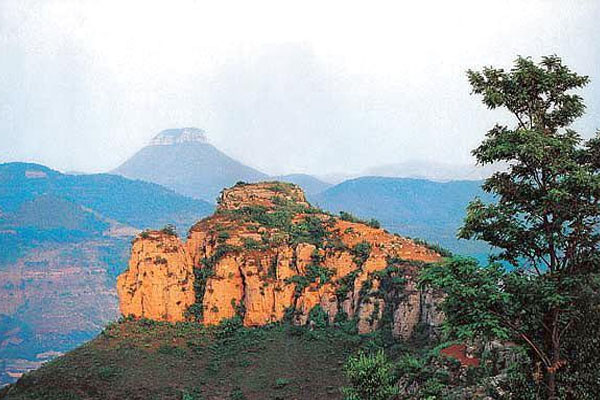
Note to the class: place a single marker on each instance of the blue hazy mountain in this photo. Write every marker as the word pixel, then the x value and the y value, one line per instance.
pixel 308 183
pixel 63 240
pixel 27 190
pixel 184 161
pixel 412 207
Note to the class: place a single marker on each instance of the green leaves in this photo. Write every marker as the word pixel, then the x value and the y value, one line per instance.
pixel 547 211
pixel 537 94
pixel 476 303
pixel 545 220
pixel 371 377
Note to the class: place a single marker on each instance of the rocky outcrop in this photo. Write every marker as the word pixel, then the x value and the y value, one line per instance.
pixel 266 255
pixel 159 283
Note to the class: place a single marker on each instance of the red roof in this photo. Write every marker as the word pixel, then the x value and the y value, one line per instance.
pixel 459 352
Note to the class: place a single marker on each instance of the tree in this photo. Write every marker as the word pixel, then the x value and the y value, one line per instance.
pixel 545 220
pixel 371 377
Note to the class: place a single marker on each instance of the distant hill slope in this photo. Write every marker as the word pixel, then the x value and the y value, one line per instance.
pixel 63 241
pixel 308 183
pixel 435 171
pixel 136 203
pixel 183 160
pixel 414 207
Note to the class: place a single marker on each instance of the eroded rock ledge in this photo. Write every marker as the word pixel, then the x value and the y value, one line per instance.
pixel 266 255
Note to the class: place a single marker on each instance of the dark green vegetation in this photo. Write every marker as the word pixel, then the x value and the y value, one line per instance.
pixel 546 224
pixel 149 360
pixel 64 239
pixel 145 359
pixel 371 377
pixel 411 207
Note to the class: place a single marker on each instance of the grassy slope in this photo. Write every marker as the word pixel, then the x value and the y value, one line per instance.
pixel 149 360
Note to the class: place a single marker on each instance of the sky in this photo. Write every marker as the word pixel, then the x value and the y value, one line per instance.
pixel 308 86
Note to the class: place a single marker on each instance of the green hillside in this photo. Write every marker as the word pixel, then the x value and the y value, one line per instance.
pixel 150 360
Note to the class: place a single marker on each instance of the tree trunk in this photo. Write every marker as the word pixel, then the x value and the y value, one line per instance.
pixel 551 382
pixel 553 344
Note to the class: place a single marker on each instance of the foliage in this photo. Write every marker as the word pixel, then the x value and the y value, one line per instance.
pixel 361 252
pixel 214 361
pixel 371 377
pixel 466 283
pixel 317 317
pixel 442 251
pixel 169 229
pixel 346 216
pixel 346 284
pixel 373 223
pixel 311 230
pixel 251 244
pixel 314 271
pixel 545 220
pixel 222 236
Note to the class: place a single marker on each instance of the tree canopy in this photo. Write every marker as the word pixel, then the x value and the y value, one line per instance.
pixel 545 220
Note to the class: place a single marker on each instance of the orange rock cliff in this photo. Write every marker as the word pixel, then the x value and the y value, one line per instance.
pixel 266 254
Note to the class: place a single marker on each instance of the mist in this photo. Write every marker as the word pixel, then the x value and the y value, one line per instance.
pixel 313 88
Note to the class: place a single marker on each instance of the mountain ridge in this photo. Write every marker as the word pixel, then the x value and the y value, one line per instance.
pixel 64 239
pixel 412 207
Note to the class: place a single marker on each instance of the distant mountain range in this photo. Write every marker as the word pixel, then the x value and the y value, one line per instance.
pixel 308 183
pixel 64 239
pixel 435 171
pixel 183 160
pixel 413 207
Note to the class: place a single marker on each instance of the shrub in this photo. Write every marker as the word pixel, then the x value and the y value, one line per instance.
pixel 317 317
pixel 361 252
pixel 371 377
pixel 251 244
pixel 228 327
pixel 373 223
pixel 311 230
pixel 434 247
pixel 346 284
pixel 222 236
pixel 237 394
pixel 315 271
pixel 346 216
pixel 169 229
pixel 281 382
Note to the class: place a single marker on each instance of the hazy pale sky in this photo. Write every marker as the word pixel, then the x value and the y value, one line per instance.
pixel 307 86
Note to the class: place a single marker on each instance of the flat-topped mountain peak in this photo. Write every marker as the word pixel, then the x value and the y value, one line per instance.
pixel 178 136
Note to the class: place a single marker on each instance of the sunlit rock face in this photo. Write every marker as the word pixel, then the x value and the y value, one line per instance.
pixel 267 254
pixel 159 283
